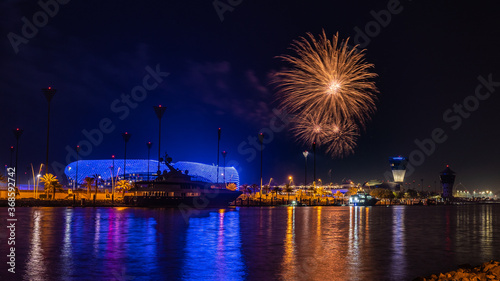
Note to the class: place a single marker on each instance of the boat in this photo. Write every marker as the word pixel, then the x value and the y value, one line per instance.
pixel 362 199
pixel 175 188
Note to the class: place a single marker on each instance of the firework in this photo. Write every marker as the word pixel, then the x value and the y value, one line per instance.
pixel 310 128
pixel 329 89
pixel 328 78
pixel 341 140
pixel 338 137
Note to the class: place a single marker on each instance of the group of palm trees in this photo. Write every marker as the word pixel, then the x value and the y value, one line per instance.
pixel 52 185
pixel 312 190
pixel 96 180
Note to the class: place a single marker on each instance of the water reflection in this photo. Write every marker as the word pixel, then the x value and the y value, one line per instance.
pixel 398 263
pixel 213 248
pixel 35 256
pixel 67 245
pixel 269 243
pixel 487 231
pixel 289 264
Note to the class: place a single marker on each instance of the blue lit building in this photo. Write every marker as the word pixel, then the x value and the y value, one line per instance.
pixel 137 170
pixel 447 180
pixel 398 167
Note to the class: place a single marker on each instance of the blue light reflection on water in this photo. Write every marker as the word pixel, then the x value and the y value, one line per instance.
pixel 213 248
pixel 398 263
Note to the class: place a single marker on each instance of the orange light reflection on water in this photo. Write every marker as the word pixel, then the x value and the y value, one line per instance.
pixel 35 256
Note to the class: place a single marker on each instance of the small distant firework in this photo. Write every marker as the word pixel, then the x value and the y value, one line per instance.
pixel 341 141
pixel 310 128
pixel 339 137
pixel 329 89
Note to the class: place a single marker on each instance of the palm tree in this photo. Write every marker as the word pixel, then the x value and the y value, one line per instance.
pixel 88 181
pixel 123 184
pixel 312 190
pixel 97 181
pixel 266 189
pixel 51 183
pixel 288 189
pixel 244 188
pixel 3 178
pixel 231 186
pixel 339 194
pixel 254 189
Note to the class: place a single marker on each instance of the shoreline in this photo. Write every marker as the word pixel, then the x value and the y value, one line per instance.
pixel 485 271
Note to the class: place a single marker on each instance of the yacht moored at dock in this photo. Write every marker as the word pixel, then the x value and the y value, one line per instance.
pixel 175 188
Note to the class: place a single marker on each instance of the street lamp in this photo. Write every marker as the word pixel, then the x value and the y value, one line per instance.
pixel 149 144
pixel 305 153
pixel 314 154
pixel 17 133
pixel 126 138
pixel 159 110
pixel 77 155
pixel 11 154
pixel 113 172
pixel 218 144
pixel 224 157
pixel 113 180
pixel 49 94
pixel 37 181
pixel 261 140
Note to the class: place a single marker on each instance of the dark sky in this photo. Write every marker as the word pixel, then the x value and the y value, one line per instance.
pixel 428 57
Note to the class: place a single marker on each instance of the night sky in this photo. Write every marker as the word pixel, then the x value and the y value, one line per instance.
pixel 215 73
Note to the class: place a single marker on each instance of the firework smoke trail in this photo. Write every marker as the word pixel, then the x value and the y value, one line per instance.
pixel 329 88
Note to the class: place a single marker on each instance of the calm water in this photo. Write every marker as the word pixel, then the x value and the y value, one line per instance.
pixel 275 243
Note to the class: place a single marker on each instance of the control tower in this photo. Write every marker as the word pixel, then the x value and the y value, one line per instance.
pixel 447 180
pixel 398 167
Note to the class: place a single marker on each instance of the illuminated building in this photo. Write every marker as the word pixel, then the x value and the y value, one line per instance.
pixel 447 180
pixel 398 167
pixel 137 170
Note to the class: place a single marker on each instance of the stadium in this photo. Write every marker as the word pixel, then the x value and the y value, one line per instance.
pixel 137 170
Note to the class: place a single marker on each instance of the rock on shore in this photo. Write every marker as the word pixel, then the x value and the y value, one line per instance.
pixel 486 271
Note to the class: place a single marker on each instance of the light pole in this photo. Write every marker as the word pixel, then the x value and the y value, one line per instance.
pixel 126 138
pixel 218 144
pixel 17 132
pixel 37 181
pixel 77 156
pixel 305 153
pixel 224 157
pixel 314 154
pixel 11 154
pixel 49 94
pixel 261 140
pixel 149 144
pixel 159 110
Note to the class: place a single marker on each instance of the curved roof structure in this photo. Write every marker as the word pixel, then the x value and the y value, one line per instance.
pixel 138 169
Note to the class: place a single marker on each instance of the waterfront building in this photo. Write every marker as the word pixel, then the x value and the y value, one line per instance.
pixel 447 180
pixel 398 167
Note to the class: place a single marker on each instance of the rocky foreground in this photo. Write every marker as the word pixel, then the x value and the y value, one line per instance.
pixel 486 271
